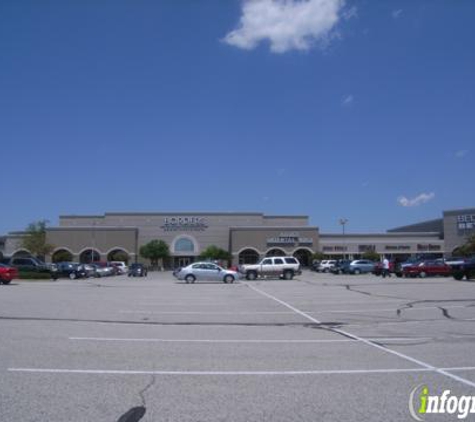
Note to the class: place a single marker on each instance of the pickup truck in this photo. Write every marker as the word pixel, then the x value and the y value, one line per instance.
pixel 285 267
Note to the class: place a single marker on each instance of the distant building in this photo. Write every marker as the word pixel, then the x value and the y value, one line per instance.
pixel 248 236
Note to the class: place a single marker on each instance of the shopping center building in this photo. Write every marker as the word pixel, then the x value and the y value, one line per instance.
pixel 247 236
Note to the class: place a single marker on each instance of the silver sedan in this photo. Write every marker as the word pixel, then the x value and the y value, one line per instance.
pixel 206 271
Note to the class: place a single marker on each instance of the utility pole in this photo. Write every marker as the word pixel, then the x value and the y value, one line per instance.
pixel 343 222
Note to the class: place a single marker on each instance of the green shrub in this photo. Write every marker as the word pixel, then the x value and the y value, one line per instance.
pixel 33 275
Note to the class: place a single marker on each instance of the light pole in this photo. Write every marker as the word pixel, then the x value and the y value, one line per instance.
pixel 343 222
pixel 93 242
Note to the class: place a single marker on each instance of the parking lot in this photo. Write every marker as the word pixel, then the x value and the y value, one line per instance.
pixel 321 347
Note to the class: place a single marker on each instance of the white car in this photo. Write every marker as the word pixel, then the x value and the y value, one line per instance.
pixel 285 267
pixel 326 265
pixel 206 271
pixel 120 265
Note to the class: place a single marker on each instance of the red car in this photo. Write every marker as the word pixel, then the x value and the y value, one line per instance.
pixel 427 268
pixel 7 274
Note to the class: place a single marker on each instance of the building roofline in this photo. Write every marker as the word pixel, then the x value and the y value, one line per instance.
pixel 80 216
pixel 94 228
pixel 285 216
pixel 187 213
pixel 268 228
pixel 398 234
pixel 460 211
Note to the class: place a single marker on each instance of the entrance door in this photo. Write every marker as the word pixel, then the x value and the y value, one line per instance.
pixel 183 261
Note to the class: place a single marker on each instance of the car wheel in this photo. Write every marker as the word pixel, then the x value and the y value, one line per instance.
pixel 288 275
pixel 357 271
pixel 5 282
pixel 72 276
pixel 190 278
pixel 251 275
pixel 229 279
pixel 422 274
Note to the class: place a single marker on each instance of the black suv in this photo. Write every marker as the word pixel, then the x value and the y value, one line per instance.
pixel 30 264
pixel 342 266
pixel 137 270
pixel 467 270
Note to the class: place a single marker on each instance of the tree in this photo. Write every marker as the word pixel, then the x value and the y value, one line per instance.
pixel 155 251
pixel 35 239
pixel 214 253
pixel 467 249
pixel 318 256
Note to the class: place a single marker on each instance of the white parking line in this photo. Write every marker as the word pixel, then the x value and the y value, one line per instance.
pixel 205 313
pixel 366 341
pixel 290 341
pixel 235 373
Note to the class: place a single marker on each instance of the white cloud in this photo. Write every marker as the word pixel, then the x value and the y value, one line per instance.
pixel 287 24
pixel 348 100
pixel 462 153
pixel 416 201
pixel 396 13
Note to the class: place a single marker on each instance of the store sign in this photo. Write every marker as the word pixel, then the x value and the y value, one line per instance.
pixel 466 222
pixel 184 224
pixel 289 239
pixel 428 247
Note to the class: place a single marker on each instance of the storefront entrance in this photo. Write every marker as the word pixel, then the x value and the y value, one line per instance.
pixel 182 261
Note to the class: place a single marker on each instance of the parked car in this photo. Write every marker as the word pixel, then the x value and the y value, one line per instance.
pixel 32 264
pixel 72 270
pixel 455 262
pixel 326 265
pixel 342 266
pixel 206 271
pixel 467 270
pixel 360 266
pixel 315 265
pixel 394 268
pixel 7 274
pixel 137 270
pixel 411 262
pixel 427 268
pixel 120 265
pixel 273 266
pixel 103 269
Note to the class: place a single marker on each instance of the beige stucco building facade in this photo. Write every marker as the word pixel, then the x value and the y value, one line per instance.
pixel 248 236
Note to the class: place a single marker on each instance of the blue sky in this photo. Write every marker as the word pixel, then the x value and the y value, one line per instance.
pixel 326 108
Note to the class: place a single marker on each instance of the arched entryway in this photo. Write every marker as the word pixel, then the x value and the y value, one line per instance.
pixel 62 255
pixel 184 250
pixel 248 256
pixel 304 256
pixel 89 255
pixel 118 254
pixel 276 252
pixel 21 253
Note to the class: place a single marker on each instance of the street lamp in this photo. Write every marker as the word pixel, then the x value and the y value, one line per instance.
pixel 93 241
pixel 343 222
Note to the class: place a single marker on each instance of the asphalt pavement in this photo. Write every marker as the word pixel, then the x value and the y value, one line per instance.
pixel 321 347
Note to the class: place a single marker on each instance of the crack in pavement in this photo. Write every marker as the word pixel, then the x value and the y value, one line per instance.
pixel 136 413
pixel 146 321
pixel 144 390
pixel 352 289
pixel 445 312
